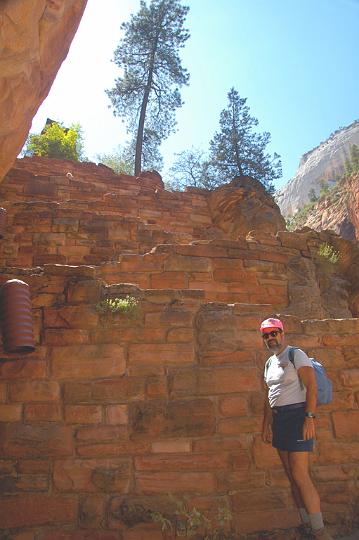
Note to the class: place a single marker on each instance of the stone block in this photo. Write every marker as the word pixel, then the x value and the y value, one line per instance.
pixel 30 441
pixel 107 391
pixel 112 449
pixel 69 270
pixel 83 414
pixel 10 413
pixel 117 414
pixel 239 425
pixel 169 317
pixel 87 361
pixel 43 412
pixel 240 480
pixel 91 513
pixel 190 462
pixel 172 419
pixel 338 452
pixel 101 433
pixel 176 446
pixel 265 456
pixel 34 391
pixel 183 383
pixel 255 521
pixel 175 482
pixel 34 510
pixel 86 291
pixel 180 335
pixel 261 499
pixel 162 353
pixel 201 250
pixel 233 406
pixel 142 533
pixel 66 336
pixel 169 280
pixel 228 380
pixel 34 466
pixel 23 368
pixel 3 392
pixel 345 340
pixel 350 377
pixel 187 264
pixel 81 317
pixel 156 387
pixel 49 239
pixel 346 425
pixel 100 475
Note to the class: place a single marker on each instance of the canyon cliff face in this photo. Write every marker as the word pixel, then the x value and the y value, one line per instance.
pixel 34 41
pixel 353 185
pixel 338 211
pixel 325 162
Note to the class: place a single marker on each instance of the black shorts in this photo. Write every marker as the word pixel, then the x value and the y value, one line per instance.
pixel 287 429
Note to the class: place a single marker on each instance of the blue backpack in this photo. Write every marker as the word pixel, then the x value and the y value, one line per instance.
pixel 324 385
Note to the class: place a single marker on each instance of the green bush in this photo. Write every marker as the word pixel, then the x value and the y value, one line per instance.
pixel 56 141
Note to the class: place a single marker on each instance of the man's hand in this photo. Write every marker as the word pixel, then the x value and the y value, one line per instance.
pixel 267 433
pixel 308 429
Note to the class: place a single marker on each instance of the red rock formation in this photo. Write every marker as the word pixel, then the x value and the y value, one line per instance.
pixel 35 39
pixel 243 205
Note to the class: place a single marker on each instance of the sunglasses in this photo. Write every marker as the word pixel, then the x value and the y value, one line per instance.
pixel 274 333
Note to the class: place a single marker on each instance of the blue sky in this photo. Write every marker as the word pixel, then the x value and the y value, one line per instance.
pixel 296 62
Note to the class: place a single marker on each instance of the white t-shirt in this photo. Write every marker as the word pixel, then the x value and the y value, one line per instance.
pixel 282 379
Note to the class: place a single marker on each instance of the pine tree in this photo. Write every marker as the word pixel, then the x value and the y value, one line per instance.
pixel 147 93
pixel 237 150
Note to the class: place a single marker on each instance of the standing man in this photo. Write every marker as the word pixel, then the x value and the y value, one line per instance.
pixel 289 420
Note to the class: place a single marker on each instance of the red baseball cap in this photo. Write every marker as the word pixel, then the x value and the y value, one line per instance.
pixel 271 323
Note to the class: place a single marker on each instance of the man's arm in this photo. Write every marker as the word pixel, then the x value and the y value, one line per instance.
pixel 307 376
pixel 267 421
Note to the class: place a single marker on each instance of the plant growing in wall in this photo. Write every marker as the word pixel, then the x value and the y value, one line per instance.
pixel 328 253
pixel 110 308
pixel 189 522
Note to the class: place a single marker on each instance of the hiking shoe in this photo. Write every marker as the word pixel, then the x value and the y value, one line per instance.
pixel 305 530
pixel 322 534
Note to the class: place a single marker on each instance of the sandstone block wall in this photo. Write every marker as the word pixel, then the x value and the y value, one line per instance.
pixel 72 213
pixel 112 414
pixel 109 416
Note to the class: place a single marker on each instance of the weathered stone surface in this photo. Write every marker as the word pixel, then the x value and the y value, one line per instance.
pixel 244 205
pixel 33 510
pixel 35 39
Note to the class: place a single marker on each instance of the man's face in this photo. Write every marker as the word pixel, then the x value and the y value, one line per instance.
pixel 273 339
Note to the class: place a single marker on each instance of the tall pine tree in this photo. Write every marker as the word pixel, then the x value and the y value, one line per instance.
pixel 237 150
pixel 147 93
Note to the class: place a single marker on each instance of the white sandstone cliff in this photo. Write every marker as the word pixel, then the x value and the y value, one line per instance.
pixel 325 162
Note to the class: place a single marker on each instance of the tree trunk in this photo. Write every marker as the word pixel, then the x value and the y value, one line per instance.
pixel 141 122
pixel 141 125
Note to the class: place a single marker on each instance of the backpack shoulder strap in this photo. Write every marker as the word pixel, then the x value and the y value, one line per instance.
pixel 266 367
pixel 291 358
pixel 291 354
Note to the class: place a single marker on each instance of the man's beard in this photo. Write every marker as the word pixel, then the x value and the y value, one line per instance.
pixel 273 346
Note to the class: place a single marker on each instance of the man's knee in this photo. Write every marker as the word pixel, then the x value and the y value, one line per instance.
pixel 299 472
